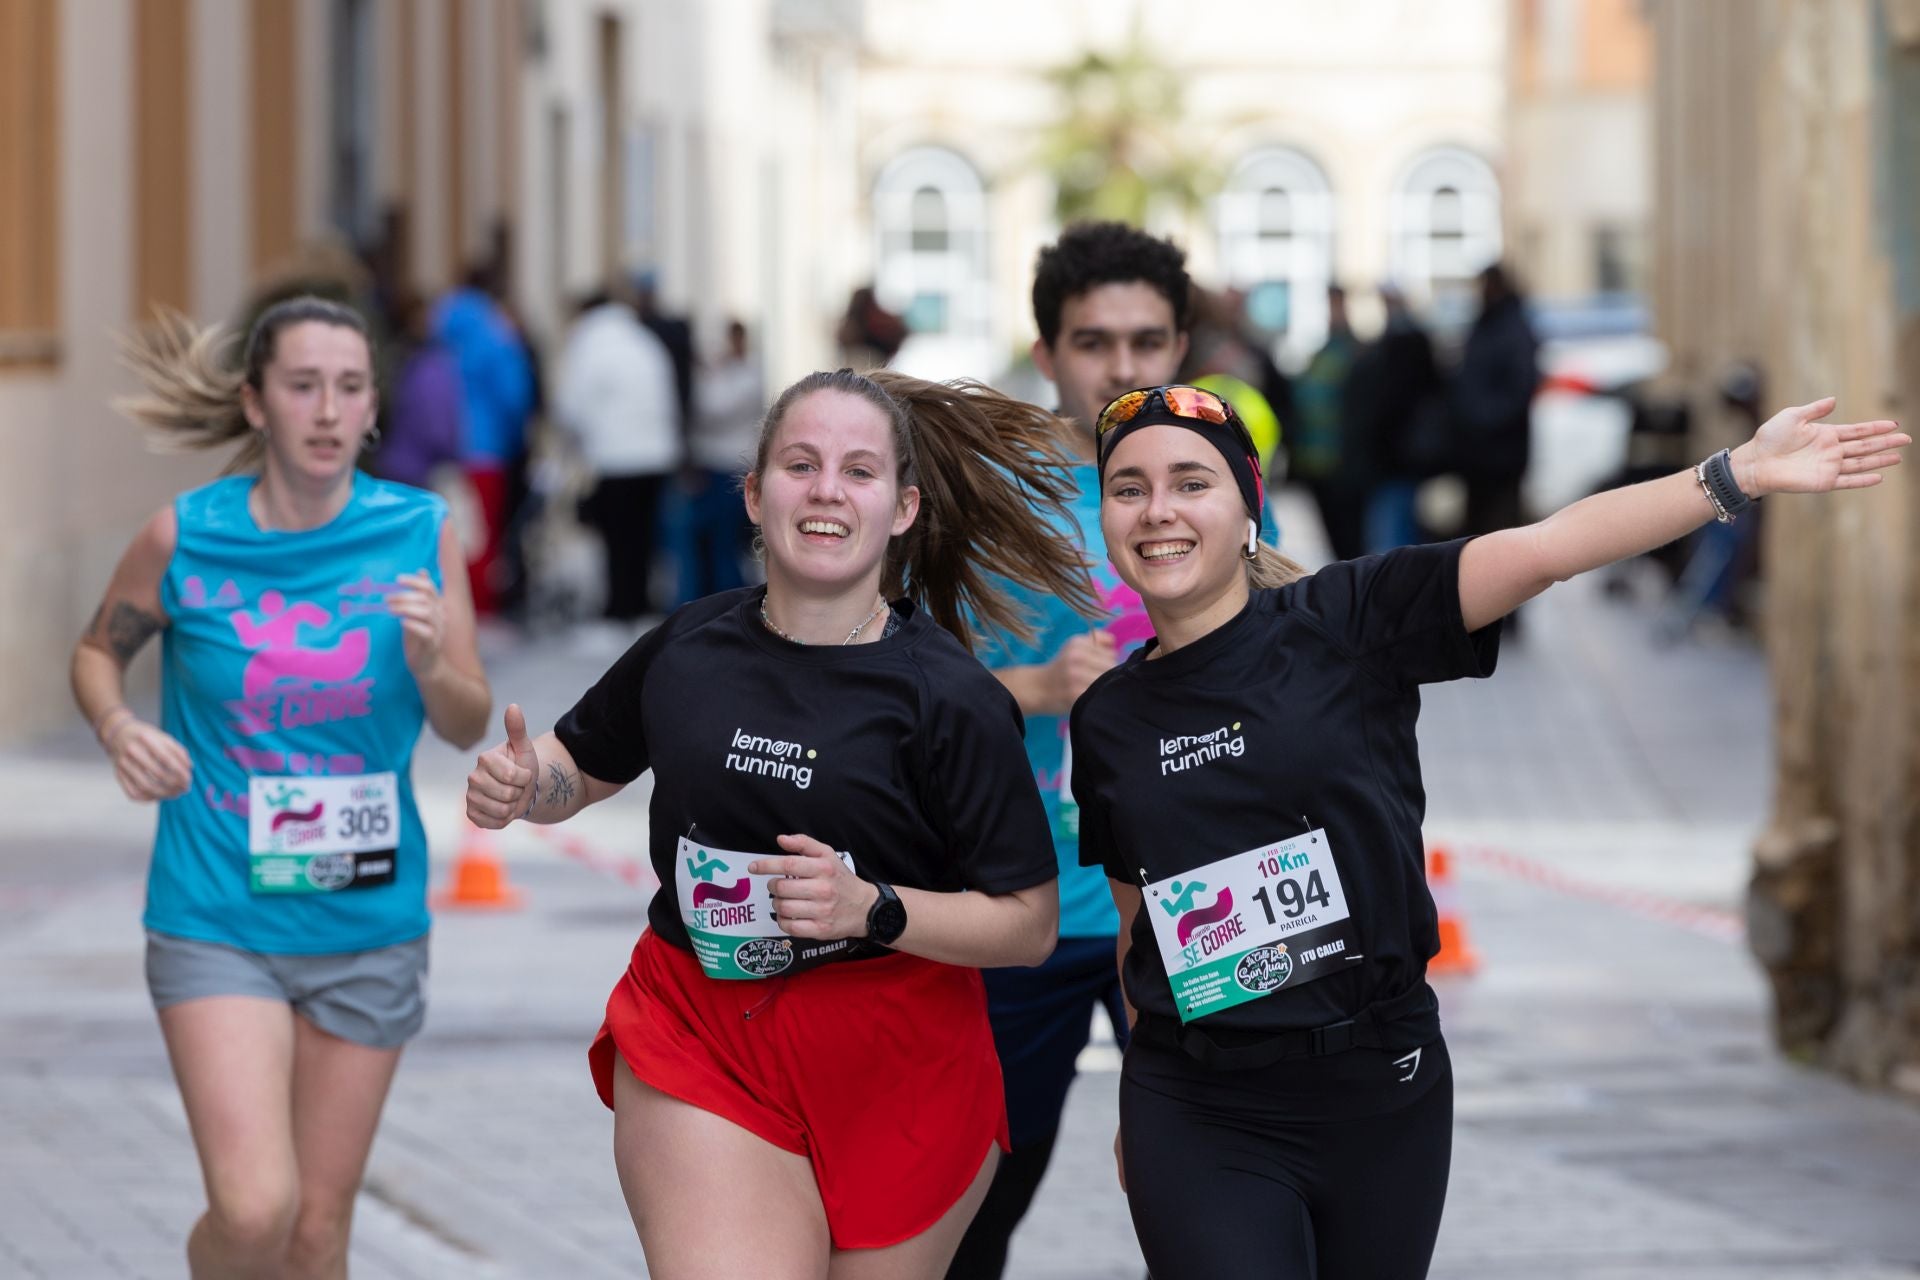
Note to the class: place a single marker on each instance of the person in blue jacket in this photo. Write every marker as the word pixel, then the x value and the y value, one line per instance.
pixel 497 395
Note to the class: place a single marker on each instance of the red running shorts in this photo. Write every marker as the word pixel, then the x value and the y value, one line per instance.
pixel 880 1072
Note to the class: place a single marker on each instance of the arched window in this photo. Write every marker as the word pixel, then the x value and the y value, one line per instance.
pixel 929 219
pixel 1445 227
pixel 1275 222
pixel 930 231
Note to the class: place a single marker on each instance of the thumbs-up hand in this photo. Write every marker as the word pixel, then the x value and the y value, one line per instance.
pixel 501 786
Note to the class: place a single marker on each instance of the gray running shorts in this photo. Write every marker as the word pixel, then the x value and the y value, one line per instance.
pixel 377 998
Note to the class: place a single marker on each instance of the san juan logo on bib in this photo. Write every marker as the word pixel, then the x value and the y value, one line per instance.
pixel 1264 969
pixel 1246 926
pixel 764 957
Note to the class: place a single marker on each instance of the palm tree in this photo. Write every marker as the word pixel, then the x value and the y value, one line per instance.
pixel 1116 151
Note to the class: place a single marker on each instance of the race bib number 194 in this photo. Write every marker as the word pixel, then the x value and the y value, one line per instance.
pixel 1252 924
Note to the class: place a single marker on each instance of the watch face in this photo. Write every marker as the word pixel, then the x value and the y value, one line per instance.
pixel 888 921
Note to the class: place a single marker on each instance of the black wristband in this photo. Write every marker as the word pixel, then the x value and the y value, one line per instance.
pixel 1719 475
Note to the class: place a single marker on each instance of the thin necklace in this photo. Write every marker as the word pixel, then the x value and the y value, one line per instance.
pixel 851 635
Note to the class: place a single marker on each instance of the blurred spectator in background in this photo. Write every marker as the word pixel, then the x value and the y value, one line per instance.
pixel 708 529
pixel 676 335
pixel 420 414
pixel 1492 403
pixel 614 396
pixel 510 564
pixel 497 388
pixel 1268 377
pixel 869 336
pixel 1395 424
pixel 1223 360
pixel 1315 438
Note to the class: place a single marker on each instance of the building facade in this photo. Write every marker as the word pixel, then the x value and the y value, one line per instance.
pixel 1357 143
pixel 1579 169
pixel 181 153
pixel 760 157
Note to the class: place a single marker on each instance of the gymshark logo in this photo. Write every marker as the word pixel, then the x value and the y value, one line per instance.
pixel 1411 1062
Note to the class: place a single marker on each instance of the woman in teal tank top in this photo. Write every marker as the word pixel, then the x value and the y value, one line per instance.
pixel 312 618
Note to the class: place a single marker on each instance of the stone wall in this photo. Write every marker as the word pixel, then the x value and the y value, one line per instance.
pixel 1786 232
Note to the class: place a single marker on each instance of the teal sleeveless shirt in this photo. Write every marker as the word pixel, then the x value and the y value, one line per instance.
pixel 283 675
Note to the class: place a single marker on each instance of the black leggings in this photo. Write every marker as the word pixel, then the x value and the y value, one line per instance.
pixel 1331 1168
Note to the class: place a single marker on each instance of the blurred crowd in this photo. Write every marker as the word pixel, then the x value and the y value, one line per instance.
pixel 1367 423
pixel 599 475
pixel 603 476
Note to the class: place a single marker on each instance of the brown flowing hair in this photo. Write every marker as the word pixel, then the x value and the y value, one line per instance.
pixel 190 386
pixel 994 486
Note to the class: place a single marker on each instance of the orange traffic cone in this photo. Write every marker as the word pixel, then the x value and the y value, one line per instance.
pixel 479 877
pixel 1457 955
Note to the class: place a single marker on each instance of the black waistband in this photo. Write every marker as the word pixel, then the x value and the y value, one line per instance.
pixel 1392 1023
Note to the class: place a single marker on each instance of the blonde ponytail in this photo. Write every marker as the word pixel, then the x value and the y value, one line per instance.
pixel 1269 568
pixel 190 388
pixel 190 394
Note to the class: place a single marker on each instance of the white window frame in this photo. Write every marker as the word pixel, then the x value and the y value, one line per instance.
pixel 957 273
pixel 1431 265
pixel 1302 258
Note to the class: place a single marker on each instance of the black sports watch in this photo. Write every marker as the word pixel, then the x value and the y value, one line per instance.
pixel 886 918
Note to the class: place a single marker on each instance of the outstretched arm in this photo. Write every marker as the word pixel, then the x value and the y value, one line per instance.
pixel 1793 452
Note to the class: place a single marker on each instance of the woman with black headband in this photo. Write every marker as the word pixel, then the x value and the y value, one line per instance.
pixel 1251 784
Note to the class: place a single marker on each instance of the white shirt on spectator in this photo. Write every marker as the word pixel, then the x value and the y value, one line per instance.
pixel 614 395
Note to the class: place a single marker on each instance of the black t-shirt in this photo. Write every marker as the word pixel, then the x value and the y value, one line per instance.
pixel 1297 715
pixel 904 753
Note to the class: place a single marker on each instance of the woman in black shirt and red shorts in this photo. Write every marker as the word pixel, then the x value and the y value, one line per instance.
pixel 1251 783
pixel 798 1057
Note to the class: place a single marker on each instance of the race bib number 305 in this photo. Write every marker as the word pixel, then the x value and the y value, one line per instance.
pixel 1252 924
pixel 322 834
pixel 728 913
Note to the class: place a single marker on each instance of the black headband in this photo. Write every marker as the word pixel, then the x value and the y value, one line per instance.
pixel 1231 438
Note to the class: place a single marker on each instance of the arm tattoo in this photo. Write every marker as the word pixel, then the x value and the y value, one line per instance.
pixel 127 629
pixel 559 785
